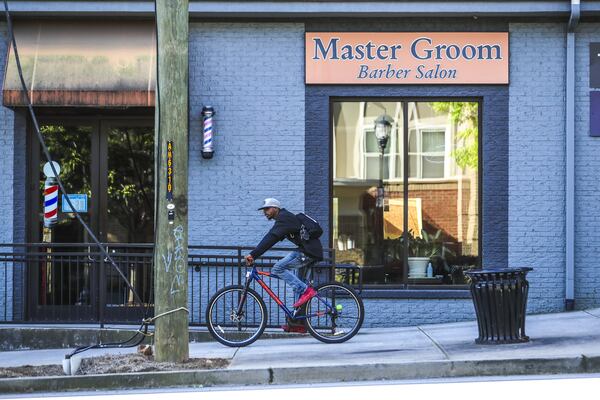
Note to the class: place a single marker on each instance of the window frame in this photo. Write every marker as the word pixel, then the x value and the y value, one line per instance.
pixel 394 148
pixel 405 289
pixel 420 154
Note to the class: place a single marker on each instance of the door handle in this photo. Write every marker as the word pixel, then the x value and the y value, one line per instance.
pixel 89 251
pixel 112 251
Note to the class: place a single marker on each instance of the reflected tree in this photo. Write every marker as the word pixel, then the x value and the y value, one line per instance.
pixel 131 182
pixel 130 177
pixel 465 115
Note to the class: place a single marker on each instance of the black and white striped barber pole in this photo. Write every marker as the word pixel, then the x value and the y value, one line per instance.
pixel 207 138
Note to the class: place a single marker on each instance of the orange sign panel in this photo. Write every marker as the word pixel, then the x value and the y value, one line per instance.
pixel 407 58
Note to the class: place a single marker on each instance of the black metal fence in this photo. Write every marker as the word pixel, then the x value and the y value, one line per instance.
pixel 64 283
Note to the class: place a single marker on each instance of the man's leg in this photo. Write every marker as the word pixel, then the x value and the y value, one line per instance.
pixel 284 269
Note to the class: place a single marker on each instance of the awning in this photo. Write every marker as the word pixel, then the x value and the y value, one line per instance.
pixel 102 64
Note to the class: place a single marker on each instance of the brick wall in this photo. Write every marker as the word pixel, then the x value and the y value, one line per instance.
pixel 19 210
pixel 253 75
pixel 408 312
pixel 7 143
pixel 587 184
pixel 537 160
pixel 440 208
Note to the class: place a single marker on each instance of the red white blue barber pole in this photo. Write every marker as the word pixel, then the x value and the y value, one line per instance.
pixel 207 138
pixel 50 195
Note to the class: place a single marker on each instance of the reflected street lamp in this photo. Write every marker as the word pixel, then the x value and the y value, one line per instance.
pixel 383 128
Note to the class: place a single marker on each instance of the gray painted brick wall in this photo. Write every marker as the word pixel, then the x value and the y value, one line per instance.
pixel 253 75
pixel 587 184
pixel 537 160
pixel 19 177
pixel 409 312
pixel 19 211
pixel 6 159
pixel 6 191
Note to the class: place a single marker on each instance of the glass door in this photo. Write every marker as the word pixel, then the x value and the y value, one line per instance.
pixel 61 270
pixel 127 207
pixel 108 165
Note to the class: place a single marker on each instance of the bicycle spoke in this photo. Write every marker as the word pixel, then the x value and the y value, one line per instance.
pixel 235 319
pixel 335 314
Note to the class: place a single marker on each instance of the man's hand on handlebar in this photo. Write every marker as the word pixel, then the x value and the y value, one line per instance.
pixel 249 260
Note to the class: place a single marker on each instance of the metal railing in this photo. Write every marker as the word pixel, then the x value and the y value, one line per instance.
pixel 67 283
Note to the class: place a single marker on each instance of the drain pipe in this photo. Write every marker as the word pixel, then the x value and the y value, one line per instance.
pixel 570 148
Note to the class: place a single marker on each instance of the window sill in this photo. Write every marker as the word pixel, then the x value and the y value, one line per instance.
pixel 375 292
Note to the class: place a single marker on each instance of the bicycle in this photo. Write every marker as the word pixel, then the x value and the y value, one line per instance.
pixel 237 316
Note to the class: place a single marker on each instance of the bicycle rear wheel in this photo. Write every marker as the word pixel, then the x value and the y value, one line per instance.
pixel 228 326
pixel 335 314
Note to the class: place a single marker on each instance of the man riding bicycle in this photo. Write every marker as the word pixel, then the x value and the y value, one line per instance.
pixel 288 225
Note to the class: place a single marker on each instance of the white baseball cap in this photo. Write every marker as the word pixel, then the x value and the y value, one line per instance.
pixel 270 202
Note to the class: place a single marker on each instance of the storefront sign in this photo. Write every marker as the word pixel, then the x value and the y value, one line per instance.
pixel 79 202
pixel 407 58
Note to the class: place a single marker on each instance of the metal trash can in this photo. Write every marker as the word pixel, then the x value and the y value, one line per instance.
pixel 500 299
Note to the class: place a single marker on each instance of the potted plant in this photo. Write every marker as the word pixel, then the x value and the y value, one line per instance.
pixel 421 249
pixel 455 268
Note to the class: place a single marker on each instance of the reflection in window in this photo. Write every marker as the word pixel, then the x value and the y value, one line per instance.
pixel 66 280
pixel 442 214
pixel 130 211
pixel 426 153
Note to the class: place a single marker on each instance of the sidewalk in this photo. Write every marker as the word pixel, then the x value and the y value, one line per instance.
pixel 560 343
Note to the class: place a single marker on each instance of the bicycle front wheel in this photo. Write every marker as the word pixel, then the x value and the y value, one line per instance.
pixel 236 317
pixel 335 314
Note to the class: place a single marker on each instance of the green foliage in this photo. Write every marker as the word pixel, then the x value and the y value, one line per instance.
pixel 464 115
pixel 70 147
pixel 131 181
pixel 130 172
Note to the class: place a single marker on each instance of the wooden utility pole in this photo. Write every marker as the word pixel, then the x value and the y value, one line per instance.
pixel 171 137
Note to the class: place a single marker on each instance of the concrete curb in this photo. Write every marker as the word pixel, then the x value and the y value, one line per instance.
pixel 57 338
pixel 310 374
pixel 37 338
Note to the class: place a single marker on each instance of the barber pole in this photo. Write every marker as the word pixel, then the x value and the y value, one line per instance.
pixel 207 145
pixel 50 202
pixel 51 194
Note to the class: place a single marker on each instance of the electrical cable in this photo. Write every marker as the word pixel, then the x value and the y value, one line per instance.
pixel 144 326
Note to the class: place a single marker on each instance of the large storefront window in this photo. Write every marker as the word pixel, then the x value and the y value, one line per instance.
pixel 422 228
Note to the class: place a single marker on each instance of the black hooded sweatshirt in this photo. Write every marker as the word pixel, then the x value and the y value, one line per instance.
pixel 287 225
